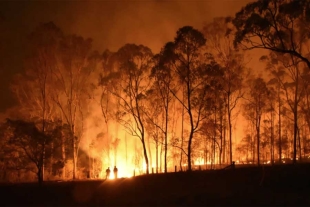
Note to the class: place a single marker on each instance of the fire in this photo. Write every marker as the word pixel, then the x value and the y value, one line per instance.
pixel 123 172
pixel 125 168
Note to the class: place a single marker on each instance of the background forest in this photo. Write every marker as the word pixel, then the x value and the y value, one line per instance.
pixel 81 111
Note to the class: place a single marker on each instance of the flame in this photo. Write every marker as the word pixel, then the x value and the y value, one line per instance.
pixel 124 170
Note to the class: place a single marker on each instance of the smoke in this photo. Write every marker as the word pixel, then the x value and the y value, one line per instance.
pixel 111 24
pixel 150 22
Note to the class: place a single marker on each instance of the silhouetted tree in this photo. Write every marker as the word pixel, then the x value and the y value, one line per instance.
pixel 292 84
pixel 275 25
pixel 192 73
pixel 27 137
pixel 257 101
pixel 132 81
pixel 71 83
pixel 220 44
pixel 32 88
pixel 163 83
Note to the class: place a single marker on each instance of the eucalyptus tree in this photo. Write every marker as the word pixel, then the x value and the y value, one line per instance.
pixel 32 88
pixel 275 84
pixel 192 72
pixel 221 44
pixel 130 83
pixel 305 104
pixel 71 83
pixel 108 103
pixel 270 119
pixel 163 83
pixel 293 83
pixel 275 25
pixel 257 101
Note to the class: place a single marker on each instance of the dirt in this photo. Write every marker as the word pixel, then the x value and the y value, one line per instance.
pixel 285 185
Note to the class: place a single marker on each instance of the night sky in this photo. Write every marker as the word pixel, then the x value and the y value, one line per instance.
pixel 111 24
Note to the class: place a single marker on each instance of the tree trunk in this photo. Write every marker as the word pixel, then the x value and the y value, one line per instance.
pixel 299 144
pixel 166 132
pixel 279 132
pixel 189 151
pixel 295 134
pixel 229 128
pixel 224 144
pixel 74 152
pixel 221 141
pixel 160 158
pixel 150 152
pixel 182 133
pixel 39 174
pixel 156 156
pixel 214 137
pixel 272 139
pixel 258 140
pixel 145 155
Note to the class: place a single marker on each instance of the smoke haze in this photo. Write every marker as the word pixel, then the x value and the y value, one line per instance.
pixel 111 24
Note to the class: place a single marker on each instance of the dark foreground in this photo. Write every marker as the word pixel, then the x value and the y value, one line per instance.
pixel 285 185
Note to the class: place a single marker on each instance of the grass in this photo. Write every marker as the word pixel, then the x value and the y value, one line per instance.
pixel 285 185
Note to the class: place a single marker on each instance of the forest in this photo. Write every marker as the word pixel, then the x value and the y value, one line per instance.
pixel 81 111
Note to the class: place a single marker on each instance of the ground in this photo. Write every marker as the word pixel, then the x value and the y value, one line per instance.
pixel 285 185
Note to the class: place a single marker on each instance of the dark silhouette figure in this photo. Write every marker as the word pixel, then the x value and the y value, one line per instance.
pixel 232 166
pixel 108 173
pixel 115 170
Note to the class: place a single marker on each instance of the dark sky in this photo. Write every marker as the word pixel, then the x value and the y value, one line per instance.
pixel 111 24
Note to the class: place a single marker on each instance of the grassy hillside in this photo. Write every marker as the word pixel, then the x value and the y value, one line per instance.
pixel 287 185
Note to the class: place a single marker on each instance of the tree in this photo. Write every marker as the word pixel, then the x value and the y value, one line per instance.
pixel 220 44
pixel 27 137
pixel 109 106
pixel 192 73
pixel 13 160
pixel 71 83
pixel 32 88
pixel 292 83
pixel 258 101
pixel 163 83
pixel 131 83
pixel 275 25
pixel 275 85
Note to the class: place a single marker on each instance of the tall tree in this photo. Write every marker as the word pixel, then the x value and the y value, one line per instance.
pixel 192 73
pixel 258 100
pixel 163 83
pixel 292 84
pixel 220 44
pixel 71 81
pixel 32 88
pixel 131 83
pixel 275 25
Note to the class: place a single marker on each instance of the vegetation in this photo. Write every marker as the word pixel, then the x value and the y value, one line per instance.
pixel 80 111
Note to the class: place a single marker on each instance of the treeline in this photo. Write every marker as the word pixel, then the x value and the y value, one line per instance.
pixel 184 100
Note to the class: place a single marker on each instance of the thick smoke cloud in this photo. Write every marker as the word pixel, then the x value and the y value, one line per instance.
pixel 110 23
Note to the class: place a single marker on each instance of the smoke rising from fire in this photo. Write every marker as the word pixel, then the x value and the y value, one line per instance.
pixel 111 24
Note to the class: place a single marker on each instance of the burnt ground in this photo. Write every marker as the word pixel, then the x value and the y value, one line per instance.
pixel 283 185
